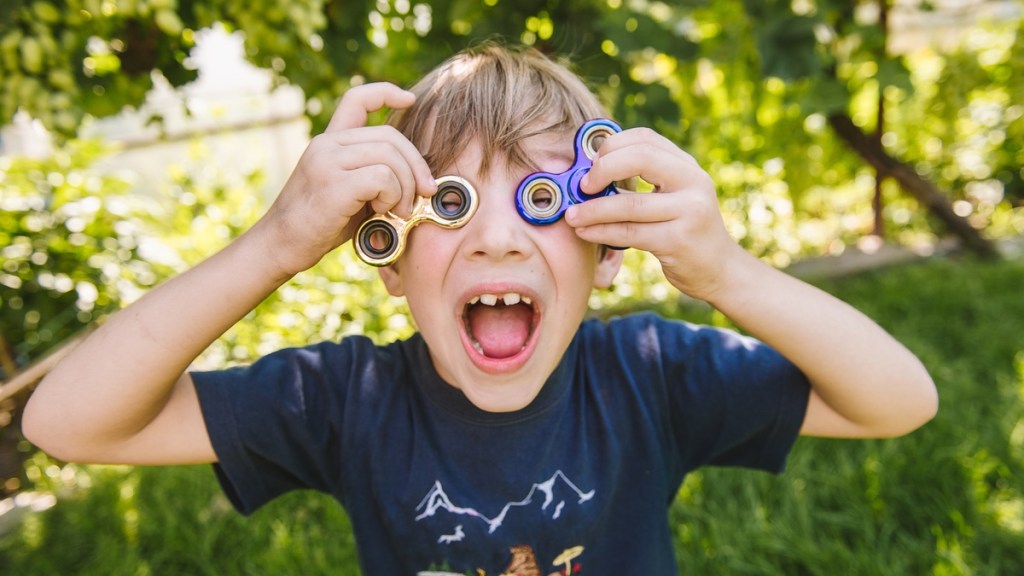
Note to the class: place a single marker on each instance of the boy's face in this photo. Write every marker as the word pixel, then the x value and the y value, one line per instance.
pixel 499 300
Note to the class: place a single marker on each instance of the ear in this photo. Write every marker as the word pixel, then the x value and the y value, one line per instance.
pixel 608 265
pixel 392 280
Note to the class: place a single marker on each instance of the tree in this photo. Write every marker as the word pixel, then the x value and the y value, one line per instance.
pixel 66 61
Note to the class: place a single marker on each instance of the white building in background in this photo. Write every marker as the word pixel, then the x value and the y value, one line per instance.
pixel 242 121
pixel 947 24
pixel 25 137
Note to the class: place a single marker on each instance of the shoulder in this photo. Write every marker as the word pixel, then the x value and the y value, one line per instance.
pixel 676 347
pixel 651 334
pixel 324 368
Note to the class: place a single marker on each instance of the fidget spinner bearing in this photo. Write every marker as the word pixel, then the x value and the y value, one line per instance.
pixel 381 239
pixel 543 197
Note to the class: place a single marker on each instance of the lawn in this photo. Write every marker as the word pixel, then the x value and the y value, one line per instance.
pixel 948 499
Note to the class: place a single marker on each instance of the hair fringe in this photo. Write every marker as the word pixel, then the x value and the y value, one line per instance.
pixel 494 94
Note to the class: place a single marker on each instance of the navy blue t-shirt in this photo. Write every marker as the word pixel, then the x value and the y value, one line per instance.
pixel 580 479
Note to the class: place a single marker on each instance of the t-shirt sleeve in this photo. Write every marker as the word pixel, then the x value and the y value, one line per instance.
pixel 275 425
pixel 735 401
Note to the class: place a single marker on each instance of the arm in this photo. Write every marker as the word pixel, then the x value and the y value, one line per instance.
pixel 124 396
pixel 864 382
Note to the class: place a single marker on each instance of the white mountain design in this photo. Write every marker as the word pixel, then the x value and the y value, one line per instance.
pixel 436 499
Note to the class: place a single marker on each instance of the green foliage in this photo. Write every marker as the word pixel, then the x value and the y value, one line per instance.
pixel 131 521
pixel 72 245
pixel 63 60
pixel 965 128
pixel 733 81
pixel 944 500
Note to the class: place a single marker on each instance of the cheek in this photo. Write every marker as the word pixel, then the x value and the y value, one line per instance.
pixel 562 235
pixel 569 257
pixel 429 247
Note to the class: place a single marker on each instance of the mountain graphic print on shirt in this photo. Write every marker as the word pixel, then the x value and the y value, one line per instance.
pixel 554 498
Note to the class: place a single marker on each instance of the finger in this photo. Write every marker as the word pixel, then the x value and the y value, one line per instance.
pixel 360 101
pixel 352 157
pixel 377 184
pixel 401 150
pixel 640 152
pixel 380 144
pixel 634 136
pixel 652 222
pixel 624 207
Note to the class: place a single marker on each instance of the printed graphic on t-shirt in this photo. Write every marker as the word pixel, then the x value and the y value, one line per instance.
pixel 437 501
pixel 553 497
pixel 524 563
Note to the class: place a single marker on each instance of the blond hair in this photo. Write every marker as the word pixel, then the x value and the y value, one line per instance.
pixel 494 96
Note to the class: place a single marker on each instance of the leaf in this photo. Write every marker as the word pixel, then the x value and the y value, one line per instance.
pixel 31 55
pixel 788 47
pixel 824 96
pixel 893 72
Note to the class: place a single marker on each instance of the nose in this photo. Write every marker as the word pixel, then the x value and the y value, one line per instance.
pixel 497 232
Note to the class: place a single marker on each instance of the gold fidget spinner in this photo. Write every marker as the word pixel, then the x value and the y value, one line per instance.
pixel 381 239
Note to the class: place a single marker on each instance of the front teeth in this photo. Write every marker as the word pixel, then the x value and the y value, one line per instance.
pixel 510 299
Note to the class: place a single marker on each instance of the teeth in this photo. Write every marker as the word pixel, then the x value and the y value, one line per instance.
pixel 510 299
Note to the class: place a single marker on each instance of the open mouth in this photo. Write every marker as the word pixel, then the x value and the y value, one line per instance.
pixel 500 326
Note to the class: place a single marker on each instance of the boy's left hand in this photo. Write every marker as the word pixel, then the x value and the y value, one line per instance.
pixel 680 223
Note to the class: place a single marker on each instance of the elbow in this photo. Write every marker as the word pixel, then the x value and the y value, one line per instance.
pixel 890 408
pixel 35 427
pixel 43 429
pixel 929 404
pixel 919 406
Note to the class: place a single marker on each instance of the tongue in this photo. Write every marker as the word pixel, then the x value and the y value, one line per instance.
pixel 500 330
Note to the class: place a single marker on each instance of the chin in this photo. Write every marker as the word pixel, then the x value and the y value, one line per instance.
pixel 501 400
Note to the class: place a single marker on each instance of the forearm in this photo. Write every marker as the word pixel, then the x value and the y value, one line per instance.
pixel 865 383
pixel 117 381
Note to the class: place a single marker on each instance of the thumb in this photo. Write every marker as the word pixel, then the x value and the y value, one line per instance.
pixel 359 102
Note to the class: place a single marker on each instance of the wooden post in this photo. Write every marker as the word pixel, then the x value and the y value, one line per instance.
pixel 36 371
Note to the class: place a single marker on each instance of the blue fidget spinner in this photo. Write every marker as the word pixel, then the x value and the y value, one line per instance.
pixel 543 197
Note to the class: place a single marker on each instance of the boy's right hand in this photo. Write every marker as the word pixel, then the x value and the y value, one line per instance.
pixel 345 174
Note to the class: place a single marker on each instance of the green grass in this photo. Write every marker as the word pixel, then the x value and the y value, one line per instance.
pixel 946 500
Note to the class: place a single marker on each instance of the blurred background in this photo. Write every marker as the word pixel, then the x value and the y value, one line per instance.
pixel 872 147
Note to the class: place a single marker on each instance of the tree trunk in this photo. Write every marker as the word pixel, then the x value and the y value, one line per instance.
pixel 924 191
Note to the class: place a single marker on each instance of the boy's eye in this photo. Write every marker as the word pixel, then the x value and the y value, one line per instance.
pixel 451 201
pixel 379 241
pixel 542 198
pixel 539 197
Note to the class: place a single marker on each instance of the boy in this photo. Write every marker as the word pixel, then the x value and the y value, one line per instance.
pixel 507 435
